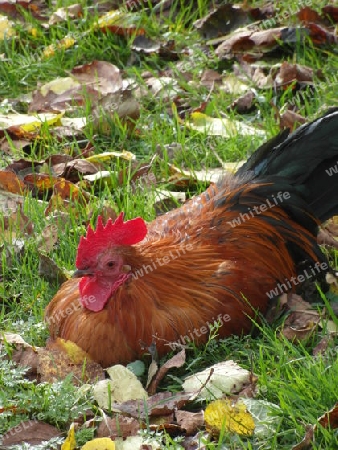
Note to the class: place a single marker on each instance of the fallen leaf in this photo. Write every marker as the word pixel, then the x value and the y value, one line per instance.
pixel 189 422
pixel 61 358
pixel 221 127
pixel 302 321
pixel 118 426
pixel 266 415
pixel 307 441
pixel 331 11
pixel 111 156
pixel 321 347
pixel 308 15
pixel 21 353
pixel 66 13
pixel 28 123
pixel 164 88
pixel 122 386
pixel 160 404
pixel 47 239
pixel 10 182
pixel 222 20
pixel 93 80
pixel 177 360
pixel 290 119
pixel 121 23
pixel 227 377
pixel 233 417
pixel 31 432
pixel 244 104
pixel 99 444
pixel 17 223
pixel 70 442
pixel 328 420
pixel 6 28
pixel 152 371
pixel 137 442
pixel 62 44
pixel 290 73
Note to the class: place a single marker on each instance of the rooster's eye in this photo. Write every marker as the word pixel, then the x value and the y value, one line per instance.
pixel 110 264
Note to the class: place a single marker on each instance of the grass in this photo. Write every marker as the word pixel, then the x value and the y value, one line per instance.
pixel 303 386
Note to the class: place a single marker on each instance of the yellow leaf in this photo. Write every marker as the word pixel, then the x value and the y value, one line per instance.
pixel 49 51
pixel 33 31
pixel 70 442
pixel 99 444
pixel 74 352
pixel 232 417
pixel 108 156
pixel 110 18
pixel 224 126
pixel 6 28
pixel 63 44
pixel 36 125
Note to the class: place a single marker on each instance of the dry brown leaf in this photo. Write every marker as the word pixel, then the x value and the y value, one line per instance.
pixel 328 234
pixel 210 77
pixel 23 166
pixel 50 270
pixel 40 182
pixel 302 321
pixel 325 237
pixel 47 239
pixel 244 104
pixel 32 432
pixel 153 368
pixel 10 182
pixel 290 119
pixel 299 334
pixel 166 50
pixel 190 422
pixel 160 404
pixel 222 20
pixel 177 360
pixel 65 196
pixel 121 23
pixel 244 41
pixel 22 353
pixel 327 420
pixel 291 73
pixel 116 108
pixel 93 80
pixel 18 221
pixel 330 418
pixel 320 35
pixel 60 358
pixel 331 11
pixel 321 347
pixel 118 426
pixel 66 13
pixel 307 442
pixel 308 15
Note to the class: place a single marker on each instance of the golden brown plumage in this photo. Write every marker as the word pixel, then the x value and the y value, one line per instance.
pixel 201 263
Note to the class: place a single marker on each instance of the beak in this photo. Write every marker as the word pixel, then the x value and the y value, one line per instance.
pixel 82 273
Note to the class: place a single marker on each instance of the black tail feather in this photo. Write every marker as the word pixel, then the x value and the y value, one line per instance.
pixel 307 160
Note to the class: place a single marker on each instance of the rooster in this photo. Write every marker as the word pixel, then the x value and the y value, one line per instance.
pixel 216 258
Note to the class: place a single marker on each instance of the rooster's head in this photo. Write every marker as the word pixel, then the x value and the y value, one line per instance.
pixel 100 261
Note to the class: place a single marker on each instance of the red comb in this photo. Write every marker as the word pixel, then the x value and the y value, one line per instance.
pixel 114 233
